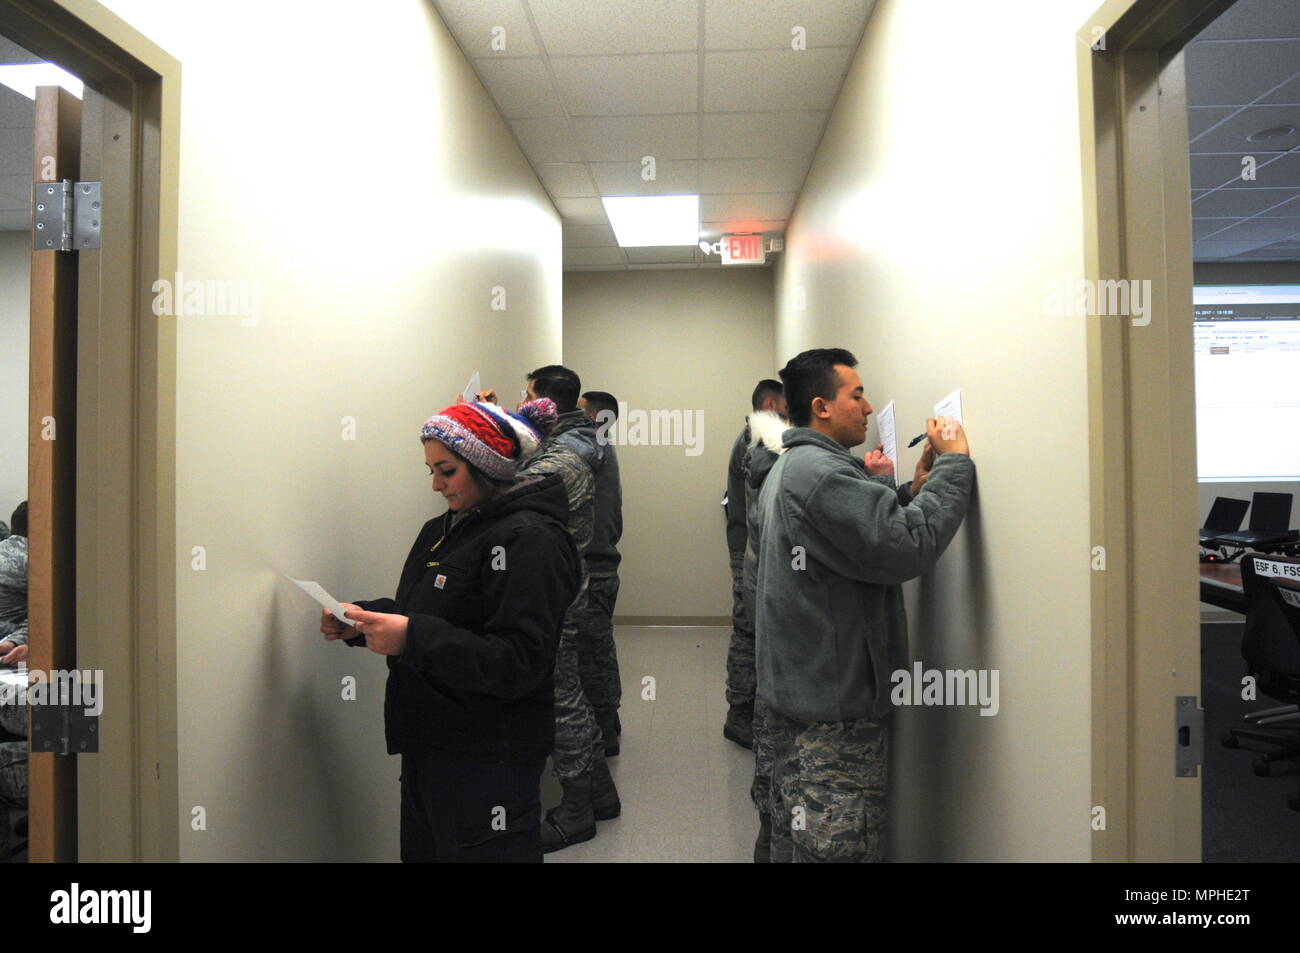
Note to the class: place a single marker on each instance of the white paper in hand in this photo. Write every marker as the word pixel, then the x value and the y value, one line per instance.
pixel 885 426
pixel 471 389
pixel 327 601
pixel 950 406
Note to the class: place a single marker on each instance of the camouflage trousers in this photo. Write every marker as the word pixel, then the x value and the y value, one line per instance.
pixel 576 731
pixel 13 788
pixel 597 656
pixel 13 774
pixel 828 790
pixel 740 654
pixel 760 791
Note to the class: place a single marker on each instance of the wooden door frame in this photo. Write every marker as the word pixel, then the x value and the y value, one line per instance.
pixel 1141 423
pixel 126 403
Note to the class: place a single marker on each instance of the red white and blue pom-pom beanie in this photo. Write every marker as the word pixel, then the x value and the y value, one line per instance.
pixel 490 437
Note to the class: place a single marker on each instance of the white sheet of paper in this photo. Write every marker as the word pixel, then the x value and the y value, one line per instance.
pixel 470 393
pixel 327 601
pixel 885 424
pixel 950 406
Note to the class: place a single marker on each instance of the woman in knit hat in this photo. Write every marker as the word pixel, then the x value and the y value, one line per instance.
pixel 471 639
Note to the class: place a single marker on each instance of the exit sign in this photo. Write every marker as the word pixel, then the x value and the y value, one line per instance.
pixel 743 250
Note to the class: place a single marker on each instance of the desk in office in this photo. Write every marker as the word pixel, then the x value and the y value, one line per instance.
pixel 1221 586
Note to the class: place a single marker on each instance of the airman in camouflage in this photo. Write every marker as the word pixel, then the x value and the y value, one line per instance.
pixel 579 756
pixel 828 790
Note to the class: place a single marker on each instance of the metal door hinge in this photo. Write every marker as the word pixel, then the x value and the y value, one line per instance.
pixel 64 729
pixel 65 215
pixel 1189 736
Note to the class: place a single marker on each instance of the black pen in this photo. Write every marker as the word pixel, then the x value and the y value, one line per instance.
pixel 916 440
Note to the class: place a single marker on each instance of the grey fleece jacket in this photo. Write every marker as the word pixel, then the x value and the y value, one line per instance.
pixel 831 628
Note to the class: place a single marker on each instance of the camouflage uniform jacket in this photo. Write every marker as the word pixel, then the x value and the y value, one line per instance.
pixel 567 453
pixel 13 588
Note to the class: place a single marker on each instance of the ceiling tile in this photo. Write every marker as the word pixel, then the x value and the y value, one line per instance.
pixel 628 85
pixel 712 231
pixel 753 175
pixel 595 267
pixel 566 180
pixel 628 138
pixel 521 87
pixel 661 253
pixel 1201 118
pixel 594 256
pixel 1286 209
pixel 1255 19
pixel 581 211
pixel 1205 227
pixel 619 26
pixel 1231 133
pixel 624 178
pixel 773 79
pixel 769 24
pixel 746 209
pixel 1260 230
pixel 663 266
pixel 1229 74
pixel 546 140
pixel 1236 202
pixel 472 23
pixel 1212 251
pixel 588 236
pixel 750 135
pixel 1277 251
pixel 1271 170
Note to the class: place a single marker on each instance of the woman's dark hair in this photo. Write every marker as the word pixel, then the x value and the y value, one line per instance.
pixel 18 522
pixel 812 374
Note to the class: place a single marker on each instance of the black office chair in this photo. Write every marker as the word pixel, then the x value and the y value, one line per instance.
pixel 1271 648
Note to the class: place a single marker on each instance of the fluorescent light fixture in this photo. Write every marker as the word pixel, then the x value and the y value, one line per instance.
pixel 641 220
pixel 25 77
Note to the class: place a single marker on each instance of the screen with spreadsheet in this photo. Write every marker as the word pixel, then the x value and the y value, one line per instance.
pixel 1247 346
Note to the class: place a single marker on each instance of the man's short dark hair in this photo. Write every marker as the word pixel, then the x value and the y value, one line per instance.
pixel 558 383
pixel 598 400
pixel 812 374
pixel 18 522
pixel 766 388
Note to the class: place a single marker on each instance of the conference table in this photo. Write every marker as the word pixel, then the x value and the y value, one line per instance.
pixel 1221 586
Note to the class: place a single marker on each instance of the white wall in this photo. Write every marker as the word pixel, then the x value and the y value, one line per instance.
pixel 346 159
pixel 15 319
pixel 944 201
pixel 692 340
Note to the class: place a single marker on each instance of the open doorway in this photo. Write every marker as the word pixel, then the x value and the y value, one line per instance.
pixel 16 121
pixel 1160 78
pixel 1243 82
pixel 100 443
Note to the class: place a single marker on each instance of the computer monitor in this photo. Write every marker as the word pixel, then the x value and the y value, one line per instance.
pixel 1270 512
pixel 1226 515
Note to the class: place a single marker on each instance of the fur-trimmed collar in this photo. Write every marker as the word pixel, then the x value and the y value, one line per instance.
pixel 766 427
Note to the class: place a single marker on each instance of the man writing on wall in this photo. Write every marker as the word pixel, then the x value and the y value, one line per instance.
pixel 834 547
